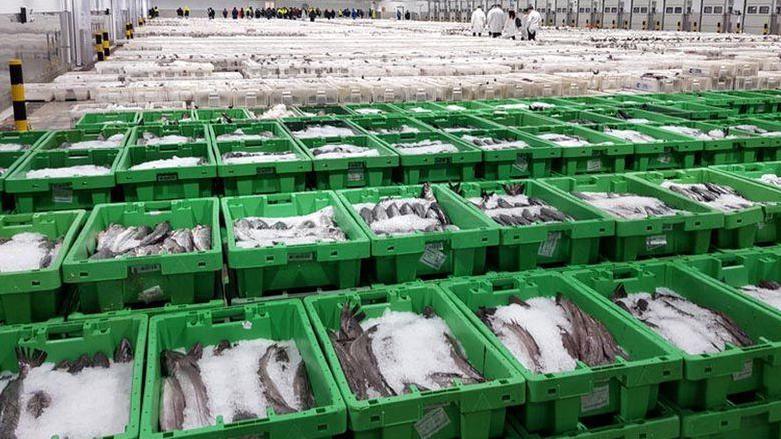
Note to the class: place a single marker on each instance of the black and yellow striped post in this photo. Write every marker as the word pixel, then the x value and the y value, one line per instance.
pixel 128 34
pixel 99 46
pixel 106 49
pixel 17 95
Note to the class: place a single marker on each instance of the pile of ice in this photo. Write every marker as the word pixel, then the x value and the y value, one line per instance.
pixel 632 136
pixel 319 226
pixel 768 291
pixel 534 106
pixel 239 135
pixel 400 216
pixel 276 112
pixel 693 328
pixel 173 162
pixel 368 110
pixel 564 139
pixel 244 157
pixel 401 129
pixel 718 196
pixel 69 171
pixel 99 143
pixel 771 179
pixel 325 130
pixel 714 134
pixel 627 206
pixel 753 129
pixel 27 251
pixel 149 139
pixel 12 147
pixel 343 150
pixel 425 147
pixel 492 144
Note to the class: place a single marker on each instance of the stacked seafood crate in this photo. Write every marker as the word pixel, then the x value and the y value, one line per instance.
pixel 593 267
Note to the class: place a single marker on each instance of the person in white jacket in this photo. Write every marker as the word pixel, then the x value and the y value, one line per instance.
pixel 510 29
pixel 478 21
pixel 533 23
pixel 495 21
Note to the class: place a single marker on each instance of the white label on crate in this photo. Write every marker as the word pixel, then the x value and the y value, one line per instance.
pixel 746 372
pixel 151 294
pixel 594 165
pixel 548 247
pixel 598 398
pixel 432 422
pixel 656 241
pixel 433 255
pixel 62 193
pixel 246 325
pixel 761 225
pixel 355 172
pixel 521 163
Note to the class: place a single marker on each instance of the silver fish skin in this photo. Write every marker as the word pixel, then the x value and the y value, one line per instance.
pixel 269 388
pixel 10 403
pixel 184 367
pixel 171 405
pixel 124 352
pixel 184 238
pixel 202 237
pixel 107 237
pixel 302 388
pixel 157 234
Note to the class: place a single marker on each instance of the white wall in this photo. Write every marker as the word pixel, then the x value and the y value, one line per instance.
pixel 13 6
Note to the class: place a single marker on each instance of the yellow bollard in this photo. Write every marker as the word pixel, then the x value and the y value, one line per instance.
pixel 17 95
pixel 106 48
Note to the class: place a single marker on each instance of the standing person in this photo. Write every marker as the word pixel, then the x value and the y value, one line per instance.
pixel 225 13
pixel 533 23
pixel 179 12
pixel 510 29
pixel 258 13
pixel 478 21
pixel 407 15
pixel 235 13
pixel 186 12
pixel 398 14
pixel 312 15
pixel 495 21
pixel 241 12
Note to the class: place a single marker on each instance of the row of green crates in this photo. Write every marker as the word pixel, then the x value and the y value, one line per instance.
pixel 656 391
pixel 213 176
pixel 479 245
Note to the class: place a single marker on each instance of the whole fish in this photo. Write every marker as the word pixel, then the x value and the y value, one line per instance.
pixel 160 231
pixel 302 388
pixel 107 237
pixel 361 351
pixel 270 390
pixel 184 367
pixel 10 397
pixel 172 405
pixel 184 238
pixel 469 372
pixel 202 237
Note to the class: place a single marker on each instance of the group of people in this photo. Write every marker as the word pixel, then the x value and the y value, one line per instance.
pixel 407 15
pixel 509 25
pixel 282 12
pixel 183 12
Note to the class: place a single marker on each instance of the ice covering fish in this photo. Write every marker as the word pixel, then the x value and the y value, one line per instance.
pixel 718 196
pixel 629 206
pixel 241 380
pixel 319 226
pixel 516 209
pixel 78 398
pixel 550 335
pixel 27 251
pixel 397 216
pixel 398 351
pixel 768 291
pixel 693 328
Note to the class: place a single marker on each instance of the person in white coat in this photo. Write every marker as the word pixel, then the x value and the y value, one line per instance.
pixel 495 21
pixel 533 23
pixel 510 29
pixel 478 21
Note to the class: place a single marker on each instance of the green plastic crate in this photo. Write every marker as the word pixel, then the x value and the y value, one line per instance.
pixel 197 132
pixel 752 171
pixel 744 101
pixel 62 193
pixel 456 122
pixel 146 281
pixel 687 109
pixel 403 258
pixel 221 115
pixel 742 228
pixel 415 109
pixel 636 116
pixel 661 423
pixel 533 161
pixel 709 380
pixel 278 320
pixel 434 168
pixel 348 172
pixel 167 308
pixel 293 125
pixel 9 160
pixel 508 104
pixel 583 118
pixel 167 183
pixel 473 411
pixel 758 148
pixel 30 139
pixel 737 269
pixel 604 154
pixel 522 248
pixel 37 295
pixel 54 140
pixel 735 148
pixel 114 119
pixel 461 106
pixel 323 110
pixel 688 233
pixel 248 127
pixel 518 119
pixel 375 125
pixel 756 419
pixel 626 390
pixel 263 178
pixel 256 271
pixel 166 117
pixel 66 341
pixel 370 110
pixel 622 100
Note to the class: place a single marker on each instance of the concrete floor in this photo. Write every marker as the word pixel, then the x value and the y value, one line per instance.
pixel 45 115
